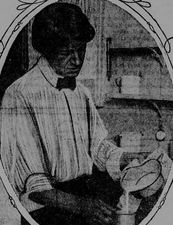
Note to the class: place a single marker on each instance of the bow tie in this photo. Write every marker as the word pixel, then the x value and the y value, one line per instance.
pixel 67 82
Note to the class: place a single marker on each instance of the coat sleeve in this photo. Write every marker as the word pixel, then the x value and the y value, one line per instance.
pixel 21 149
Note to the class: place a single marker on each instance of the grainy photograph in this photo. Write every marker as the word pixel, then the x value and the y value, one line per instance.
pixel 86 114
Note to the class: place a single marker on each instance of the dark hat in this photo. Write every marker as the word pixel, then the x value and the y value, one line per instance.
pixel 58 24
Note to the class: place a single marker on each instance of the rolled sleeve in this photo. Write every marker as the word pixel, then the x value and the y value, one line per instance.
pixel 108 158
pixel 35 183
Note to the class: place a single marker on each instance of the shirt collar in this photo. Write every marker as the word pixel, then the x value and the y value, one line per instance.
pixel 48 72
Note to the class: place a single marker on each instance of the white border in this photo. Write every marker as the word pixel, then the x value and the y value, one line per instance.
pixel 16 27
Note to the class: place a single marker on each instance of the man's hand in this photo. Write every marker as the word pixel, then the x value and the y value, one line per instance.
pixel 97 212
pixel 128 157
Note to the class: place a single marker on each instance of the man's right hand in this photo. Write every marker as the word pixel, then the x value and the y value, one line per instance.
pixel 97 212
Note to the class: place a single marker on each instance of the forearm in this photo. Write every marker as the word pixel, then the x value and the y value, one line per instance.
pixel 56 198
pixel 95 211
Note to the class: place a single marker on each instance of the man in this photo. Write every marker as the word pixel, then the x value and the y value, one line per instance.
pixel 52 137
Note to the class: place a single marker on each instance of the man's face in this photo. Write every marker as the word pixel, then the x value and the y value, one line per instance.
pixel 68 60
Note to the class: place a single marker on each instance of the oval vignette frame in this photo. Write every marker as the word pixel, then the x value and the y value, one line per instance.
pixel 139 9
